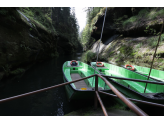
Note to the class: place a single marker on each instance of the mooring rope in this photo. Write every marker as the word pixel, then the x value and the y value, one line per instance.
pixel 154 54
pixel 99 43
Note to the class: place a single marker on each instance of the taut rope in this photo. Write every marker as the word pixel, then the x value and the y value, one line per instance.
pixel 99 42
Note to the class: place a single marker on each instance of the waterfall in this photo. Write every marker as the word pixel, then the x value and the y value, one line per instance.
pixel 103 44
pixel 26 18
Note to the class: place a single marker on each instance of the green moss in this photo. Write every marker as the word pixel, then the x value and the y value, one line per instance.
pixel 6 69
pixel 54 54
pixel 17 71
pixel 88 56
pixel 152 42
pixel 3 11
pixel 139 45
pixel 111 53
pixel 126 51
pixel 144 14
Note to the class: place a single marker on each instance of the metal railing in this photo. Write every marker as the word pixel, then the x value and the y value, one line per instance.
pixel 127 101
pixel 131 105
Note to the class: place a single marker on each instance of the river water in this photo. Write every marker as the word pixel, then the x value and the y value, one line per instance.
pixel 41 75
pixel 53 102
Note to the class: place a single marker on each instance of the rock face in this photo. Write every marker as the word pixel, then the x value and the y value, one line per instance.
pixel 24 41
pixel 110 28
pixel 137 31
pixel 129 21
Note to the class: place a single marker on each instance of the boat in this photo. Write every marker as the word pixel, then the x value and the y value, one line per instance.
pixel 83 89
pixel 157 75
pixel 131 89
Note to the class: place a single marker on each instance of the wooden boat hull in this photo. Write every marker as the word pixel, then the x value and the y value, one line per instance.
pixel 127 89
pixel 78 94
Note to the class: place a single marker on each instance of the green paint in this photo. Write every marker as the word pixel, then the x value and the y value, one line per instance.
pixel 84 70
pixel 136 86
pixel 157 74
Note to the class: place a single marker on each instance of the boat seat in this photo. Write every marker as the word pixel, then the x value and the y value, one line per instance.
pixel 157 78
pixel 143 73
pixel 88 74
pixel 133 85
pixel 99 88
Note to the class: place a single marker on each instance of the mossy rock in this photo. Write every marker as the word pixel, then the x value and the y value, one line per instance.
pixel 17 71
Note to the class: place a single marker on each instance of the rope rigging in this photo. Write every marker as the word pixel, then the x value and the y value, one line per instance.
pixel 99 42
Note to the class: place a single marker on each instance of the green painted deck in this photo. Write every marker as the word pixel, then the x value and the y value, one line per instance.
pixel 113 70
pixel 157 74
pixel 81 71
pixel 83 89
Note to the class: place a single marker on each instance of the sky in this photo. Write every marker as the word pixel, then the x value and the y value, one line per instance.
pixel 81 17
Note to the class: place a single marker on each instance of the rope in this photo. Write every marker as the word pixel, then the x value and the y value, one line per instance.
pixel 100 42
pixel 154 54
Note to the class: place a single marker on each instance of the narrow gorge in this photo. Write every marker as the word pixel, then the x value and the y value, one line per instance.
pixel 29 35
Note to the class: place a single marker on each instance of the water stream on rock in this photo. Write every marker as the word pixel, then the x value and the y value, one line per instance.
pixel 26 18
pixel 103 44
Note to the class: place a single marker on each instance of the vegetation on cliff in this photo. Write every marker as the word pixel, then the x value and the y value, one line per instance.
pixel 138 29
pixel 31 34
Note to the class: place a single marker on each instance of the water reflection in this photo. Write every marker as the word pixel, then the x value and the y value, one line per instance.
pixel 41 75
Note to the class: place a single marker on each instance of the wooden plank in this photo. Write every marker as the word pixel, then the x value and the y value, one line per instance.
pixel 80 84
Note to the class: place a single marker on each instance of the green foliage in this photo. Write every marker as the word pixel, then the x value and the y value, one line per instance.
pixel 17 71
pixel 126 51
pixel 142 12
pixel 3 11
pixel 6 68
pixel 154 13
pixel 119 21
pixel 151 31
pixel 111 53
pixel 86 35
pixel 59 21
pixel 139 45
pixel 152 42
pixel 129 20
pixel 88 56
pixel 54 54
pixel 162 37
pixel 92 15
pixel 151 14
pixel 37 14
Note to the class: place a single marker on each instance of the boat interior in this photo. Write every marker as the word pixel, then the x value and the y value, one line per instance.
pixel 80 71
pixel 117 71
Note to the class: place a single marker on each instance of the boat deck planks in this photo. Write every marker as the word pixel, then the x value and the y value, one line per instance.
pixel 80 84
